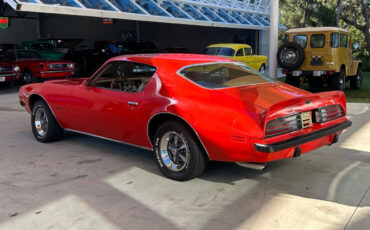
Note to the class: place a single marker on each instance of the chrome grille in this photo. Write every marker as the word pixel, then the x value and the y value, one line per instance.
pixel 283 125
pixel 328 113
pixel 60 66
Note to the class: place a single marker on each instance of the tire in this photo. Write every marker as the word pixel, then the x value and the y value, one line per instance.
pixel 290 56
pixel 168 157
pixel 338 81
pixel 294 81
pixel 316 82
pixel 45 127
pixel 262 69
pixel 356 81
pixel 29 78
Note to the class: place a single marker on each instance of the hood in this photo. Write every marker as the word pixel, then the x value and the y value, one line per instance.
pixel 266 95
pixel 77 81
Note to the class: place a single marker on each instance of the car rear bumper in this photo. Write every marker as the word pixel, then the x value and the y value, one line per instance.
pixel 295 141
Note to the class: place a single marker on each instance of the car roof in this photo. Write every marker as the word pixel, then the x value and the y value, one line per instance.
pixel 316 29
pixel 176 60
pixel 230 45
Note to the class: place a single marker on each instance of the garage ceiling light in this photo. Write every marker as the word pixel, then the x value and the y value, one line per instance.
pixel 245 14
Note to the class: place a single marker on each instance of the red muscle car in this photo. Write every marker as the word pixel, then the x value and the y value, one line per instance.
pixel 188 109
pixel 34 68
pixel 9 74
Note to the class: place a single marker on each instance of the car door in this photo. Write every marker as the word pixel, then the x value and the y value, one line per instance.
pixel 239 55
pixel 250 59
pixel 107 105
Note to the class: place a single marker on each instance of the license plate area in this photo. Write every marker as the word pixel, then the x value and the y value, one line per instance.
pixel 2 79
pixel 306 119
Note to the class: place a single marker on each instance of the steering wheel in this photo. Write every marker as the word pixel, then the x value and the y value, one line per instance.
pixel 208 75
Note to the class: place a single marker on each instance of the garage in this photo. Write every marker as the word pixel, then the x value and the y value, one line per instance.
pixel 87 182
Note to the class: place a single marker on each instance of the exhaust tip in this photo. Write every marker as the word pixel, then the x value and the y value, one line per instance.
pixel 255 166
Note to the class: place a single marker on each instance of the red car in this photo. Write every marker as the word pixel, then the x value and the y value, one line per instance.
pixel 34 68
pixel 188 109
pixel 9 74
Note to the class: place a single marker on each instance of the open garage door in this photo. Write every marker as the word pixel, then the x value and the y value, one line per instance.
pixel 248 14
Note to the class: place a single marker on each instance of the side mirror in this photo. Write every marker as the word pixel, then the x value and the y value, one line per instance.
pixel 355 46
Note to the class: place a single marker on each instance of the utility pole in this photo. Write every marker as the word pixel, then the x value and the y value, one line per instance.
pixel 274 28
pixel 339 11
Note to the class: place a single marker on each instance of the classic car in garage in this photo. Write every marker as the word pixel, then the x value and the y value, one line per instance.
pixel 34 68
pixel 239 52
pixel 188 109
pixel 9 73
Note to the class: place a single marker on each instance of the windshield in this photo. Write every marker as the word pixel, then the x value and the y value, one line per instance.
pixel 223 75
pixel 220 51
pixel 42 46
pixel 21 54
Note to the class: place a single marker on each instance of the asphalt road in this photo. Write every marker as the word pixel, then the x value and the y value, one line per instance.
pixel 83 182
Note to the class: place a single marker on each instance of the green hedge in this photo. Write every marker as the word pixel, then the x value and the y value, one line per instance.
pixel 365 61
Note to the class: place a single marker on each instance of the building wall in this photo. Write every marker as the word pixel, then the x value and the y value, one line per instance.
pixel 195 38
pixel 19 30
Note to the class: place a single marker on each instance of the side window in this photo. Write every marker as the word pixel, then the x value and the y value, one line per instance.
pixel 124 76
pixel 301 39
pixel 239 53
pixel 317 40
pixel 286 38
pixel 343 40
pixel 334 40
pixel 248 51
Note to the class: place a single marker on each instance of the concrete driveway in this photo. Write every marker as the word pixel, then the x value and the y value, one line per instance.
pixel 82 182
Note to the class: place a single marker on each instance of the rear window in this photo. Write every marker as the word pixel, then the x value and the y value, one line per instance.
pixel 301 39
pixel 220 51
pixel 223 75
pixel 317 40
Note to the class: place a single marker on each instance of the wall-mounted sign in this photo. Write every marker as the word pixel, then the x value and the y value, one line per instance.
pixel 4 22
pixel 107 20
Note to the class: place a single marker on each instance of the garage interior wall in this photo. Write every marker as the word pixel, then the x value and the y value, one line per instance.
pixel 195 38
pixel 19 30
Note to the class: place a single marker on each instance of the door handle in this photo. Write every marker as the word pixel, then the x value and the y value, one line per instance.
pixel 134 103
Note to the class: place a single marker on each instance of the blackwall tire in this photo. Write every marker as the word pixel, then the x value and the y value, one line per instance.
pixel 356 81
pixel 177 152
pixel 29 78
pixel 290 56
pixel 338 81
pixel 45 128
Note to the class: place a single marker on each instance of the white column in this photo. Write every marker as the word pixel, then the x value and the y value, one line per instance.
pixel 274 28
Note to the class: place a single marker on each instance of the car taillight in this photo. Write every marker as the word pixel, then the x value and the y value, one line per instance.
pixel 283 125
pixel 328 113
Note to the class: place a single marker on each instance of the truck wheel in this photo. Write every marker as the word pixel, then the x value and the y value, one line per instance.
pixel 294 81
pixel 177 152
pixel 338 81
pixel 29 78
pixel 356 81
pixel 316 82
pixel 290 56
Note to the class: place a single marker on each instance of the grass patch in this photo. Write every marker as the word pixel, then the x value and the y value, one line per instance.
pixel 353 95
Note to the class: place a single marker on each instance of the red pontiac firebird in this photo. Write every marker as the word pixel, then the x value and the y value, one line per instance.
pixel 188 109
pixel 34 68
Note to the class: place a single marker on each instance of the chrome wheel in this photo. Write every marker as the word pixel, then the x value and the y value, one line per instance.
pixel 174 151
pixel 27 77
pixel 41 122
